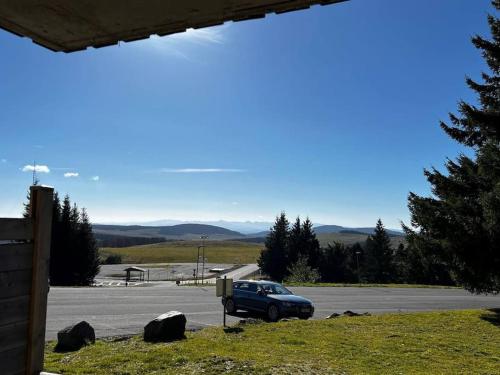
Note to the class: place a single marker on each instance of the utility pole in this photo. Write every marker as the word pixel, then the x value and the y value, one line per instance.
pixel 203 255
pixel 197 262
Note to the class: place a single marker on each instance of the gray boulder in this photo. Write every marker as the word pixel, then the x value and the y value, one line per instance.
pixel 75 336
pixel 166 327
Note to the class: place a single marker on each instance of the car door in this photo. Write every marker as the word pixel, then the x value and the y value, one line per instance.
pixel 241 297
pixel 256 300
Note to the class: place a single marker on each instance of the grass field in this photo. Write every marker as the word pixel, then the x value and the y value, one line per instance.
pixel 458 342
pixel 187 251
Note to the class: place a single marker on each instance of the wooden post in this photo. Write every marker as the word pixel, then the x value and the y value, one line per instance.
pixel 41 214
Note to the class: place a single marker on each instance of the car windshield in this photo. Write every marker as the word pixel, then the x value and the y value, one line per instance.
pixel 275 289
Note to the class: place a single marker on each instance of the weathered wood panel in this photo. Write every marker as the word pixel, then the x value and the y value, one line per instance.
pixel 41 211
pixel 15 283
pixel 13 335
pixel 13 361
pixel 24 273
pixel 16 229
pixel 15 257
pixel 14 310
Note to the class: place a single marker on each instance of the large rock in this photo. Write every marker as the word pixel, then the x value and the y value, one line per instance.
pixel 166 327
pixel 75 336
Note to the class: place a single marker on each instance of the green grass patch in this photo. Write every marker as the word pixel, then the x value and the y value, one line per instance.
pixel 451 342
pixel 187 251
pixel 372 285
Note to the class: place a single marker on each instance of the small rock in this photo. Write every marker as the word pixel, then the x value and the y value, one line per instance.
pixel 166 327
pixel 350 313
pixel 75 336
pixel 333 316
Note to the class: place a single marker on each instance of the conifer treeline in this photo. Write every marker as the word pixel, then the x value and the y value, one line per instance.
pixel 294 254
pixel 74 255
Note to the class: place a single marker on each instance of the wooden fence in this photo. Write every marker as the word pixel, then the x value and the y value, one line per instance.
pixel 24 273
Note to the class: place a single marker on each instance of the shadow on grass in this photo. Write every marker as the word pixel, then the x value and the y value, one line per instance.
pixel 493 316
pixel 233 330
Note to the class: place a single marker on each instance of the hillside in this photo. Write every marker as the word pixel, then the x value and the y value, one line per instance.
pixel 172 232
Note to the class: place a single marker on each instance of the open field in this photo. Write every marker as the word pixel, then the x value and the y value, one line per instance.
pixel 466 342
pixel 233 252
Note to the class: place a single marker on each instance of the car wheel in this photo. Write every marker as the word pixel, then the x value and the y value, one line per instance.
pixel 230 306
pixel 273 313
pixel 304 317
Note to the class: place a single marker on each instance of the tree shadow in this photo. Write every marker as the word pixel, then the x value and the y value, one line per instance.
pixel 492 316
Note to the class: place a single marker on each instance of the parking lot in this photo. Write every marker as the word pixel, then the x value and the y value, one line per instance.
pixel 118 311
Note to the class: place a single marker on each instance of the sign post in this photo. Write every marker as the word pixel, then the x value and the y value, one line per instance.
pixel 224 289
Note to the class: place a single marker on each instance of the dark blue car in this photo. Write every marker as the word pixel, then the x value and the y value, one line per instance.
pixel 266 297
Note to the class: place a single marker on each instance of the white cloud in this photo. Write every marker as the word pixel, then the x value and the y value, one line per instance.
pixel 95 178
pixel 71 174
pixel 201 170
pixel 37 168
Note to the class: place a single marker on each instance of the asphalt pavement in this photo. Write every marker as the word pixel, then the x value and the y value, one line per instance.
pixel 116 311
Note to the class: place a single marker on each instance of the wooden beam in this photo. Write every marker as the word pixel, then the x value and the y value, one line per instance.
pixel 41 204
pixel 15 229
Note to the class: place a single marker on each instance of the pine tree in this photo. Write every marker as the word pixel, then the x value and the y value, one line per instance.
pixel 273 259
pixel 310 244
pixel 295 242
pixel 55 244
pixel 88 251
pixel 379 265
pixel 460 223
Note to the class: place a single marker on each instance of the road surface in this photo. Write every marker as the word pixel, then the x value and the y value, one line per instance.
pixel 118 311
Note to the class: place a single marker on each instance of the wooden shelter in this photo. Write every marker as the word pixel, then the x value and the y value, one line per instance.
pixel 137 270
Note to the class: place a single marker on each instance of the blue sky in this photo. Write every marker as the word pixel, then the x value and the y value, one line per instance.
pixel 330 112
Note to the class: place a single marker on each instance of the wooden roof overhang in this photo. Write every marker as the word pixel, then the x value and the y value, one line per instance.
pixel 74 25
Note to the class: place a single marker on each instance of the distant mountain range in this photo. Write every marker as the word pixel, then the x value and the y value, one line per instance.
pixel 192 231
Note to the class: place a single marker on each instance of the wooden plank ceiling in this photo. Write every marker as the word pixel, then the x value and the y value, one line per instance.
pixel 73 25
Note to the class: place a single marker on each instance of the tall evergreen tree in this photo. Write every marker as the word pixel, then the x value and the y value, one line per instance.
pixel 74 256
pixel 378 264
pixel 460 223
pixel 295 242
pixel 310 244
pixel 87 250
pixel 273 259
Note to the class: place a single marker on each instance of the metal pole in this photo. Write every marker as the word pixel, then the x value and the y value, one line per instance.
pixel 197 261
pixel 203 268
pixel 224 295
pixel 203 260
